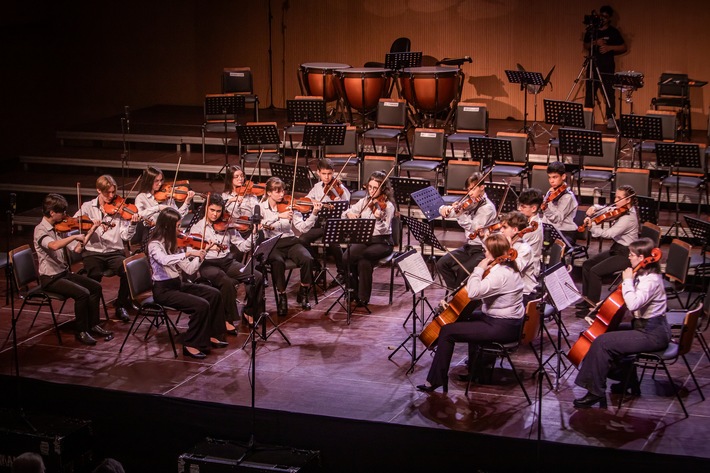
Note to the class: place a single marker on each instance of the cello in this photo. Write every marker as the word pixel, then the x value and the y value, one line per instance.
pixel 608 315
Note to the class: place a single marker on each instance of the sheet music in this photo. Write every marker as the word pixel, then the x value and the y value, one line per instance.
pixel 558 283
pixel 416 271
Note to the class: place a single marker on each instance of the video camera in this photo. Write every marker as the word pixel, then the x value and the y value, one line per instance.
pixel 593 20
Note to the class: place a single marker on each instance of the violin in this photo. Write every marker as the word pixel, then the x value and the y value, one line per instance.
pixel 178 192
pixel 334 190
pixel 606 216
pixel 118 206
pixel 378 203
pixel 608 315
pixel 554 196
pixel 532 226
pixel 484 230
pixel 72 223
pixel 300 204
pixel 196 242
pixel 250 188
pixel 227 222
pixel 466 203
pixel 509 256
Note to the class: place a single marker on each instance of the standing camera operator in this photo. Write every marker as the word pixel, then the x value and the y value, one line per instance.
pixel 604 41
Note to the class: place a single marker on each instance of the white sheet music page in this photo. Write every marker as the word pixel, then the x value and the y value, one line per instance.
pixel 558 284
pixel 416 272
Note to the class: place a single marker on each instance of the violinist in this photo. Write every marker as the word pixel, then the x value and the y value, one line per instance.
pixel 239 201
pixel 327 190
pixel 378 204
pixel 105 249
pixel 624 229
pixel 479 212
pixel 280 219
pixel 529 202
pixel 513 224
pixel 645 298
pixel 151 183
pixel 222 270
pixel 559 206
pixel 201 302
pixel 496 282
pixel 54 274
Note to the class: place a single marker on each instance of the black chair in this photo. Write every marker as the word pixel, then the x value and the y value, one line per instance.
pixel 676 273
pixel 471 119
pixel 390 125
pixel 427 153
pixel 674 93
pixel 239 80
pixel 140 285
pixel 26 281
pixel 399 45
pixel 348 152
pixel 652 231
pixel 676 318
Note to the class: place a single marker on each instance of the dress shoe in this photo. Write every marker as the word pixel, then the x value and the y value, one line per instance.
pixel 282 305
pixel 302 297
pixel 198 356
pixel 249 320
pixel 231 329
pixel 589 400
pixel 85 338
pixel 632 389
pixel 464 377
pixel 218 343
pixel 122 314
pixel 430 388
pixel 580 314
pixel 99 330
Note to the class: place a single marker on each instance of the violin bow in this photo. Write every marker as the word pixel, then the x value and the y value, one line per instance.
pixel 369 197
pixel 177 169
pixel 204 227
pixel 610 206
pixel 478 183
pixel 253 171
pixel 330 185
pixel 293 184
pixel 78 202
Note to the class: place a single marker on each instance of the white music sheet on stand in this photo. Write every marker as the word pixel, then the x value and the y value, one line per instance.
pixel 558 283
pixel 416 272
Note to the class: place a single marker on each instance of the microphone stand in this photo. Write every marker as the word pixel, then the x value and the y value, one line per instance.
pixel 9 280
pixel 125 130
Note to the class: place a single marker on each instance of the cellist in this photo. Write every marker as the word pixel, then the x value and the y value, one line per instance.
pixel 496 282
pixel 645 297
pixel 624 229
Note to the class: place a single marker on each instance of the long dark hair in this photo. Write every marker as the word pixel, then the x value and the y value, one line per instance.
pixel 643 247
pixel 165 229
pixel 148 178
pixel 229 177
pixel 385 186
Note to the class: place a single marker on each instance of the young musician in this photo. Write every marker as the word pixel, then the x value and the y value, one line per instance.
pixel 201 302
pixel 148 206
pixel 237 202
pixel 529 202
pixel 497 283
pixel 281 219
pixel 326 191
pixel 105 248
pixel 559 206
pixel 54 275
pixel 624 230
pixel 645 297
pixel 514 225
pixel 220 268
pixel 361 257
pixel 474 212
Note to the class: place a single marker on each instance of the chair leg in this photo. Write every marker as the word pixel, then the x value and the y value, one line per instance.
pixel 130 329
pixel 692 375
pixel 517 377
pixel 170 326
pixel 675 389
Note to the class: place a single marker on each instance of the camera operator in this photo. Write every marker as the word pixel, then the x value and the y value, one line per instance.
pixel 604 41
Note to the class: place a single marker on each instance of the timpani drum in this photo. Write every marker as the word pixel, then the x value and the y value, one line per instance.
pixel 318 78
pixel 363 87
pixel 430 89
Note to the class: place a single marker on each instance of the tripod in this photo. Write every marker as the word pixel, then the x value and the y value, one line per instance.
pixel 593 78
pixel 675 156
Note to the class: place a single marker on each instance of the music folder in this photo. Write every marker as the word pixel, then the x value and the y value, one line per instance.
pixel 560 287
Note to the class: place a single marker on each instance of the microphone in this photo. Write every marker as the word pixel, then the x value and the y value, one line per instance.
pixel 127 117
pixel 256 217
pixel 13 202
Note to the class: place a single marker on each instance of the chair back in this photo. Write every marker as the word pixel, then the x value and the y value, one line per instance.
pixel 471 118
pixel 678 261
pixel 639 179
pixel 138 275
pixel 457 171
pixel 672 84
pixel 23 266
pixel 688 331
pixel 557 251
pixel 392 113
pixel 237 80
pixel 401 45
pixel 428 143
pixel 519 145
pixel 348 148
pixel 652 231
pixel 396 230
pixel 531 326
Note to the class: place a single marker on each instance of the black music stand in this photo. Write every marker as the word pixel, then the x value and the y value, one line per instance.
pixel 306 111
pixel 424 234
pixel 641 128
pixel 258 135
pixel 429 200
pixel 398 61
pixel 525 78
pixel 220 110
pixel 489 150
pixel 347 232
pixel 496 191
pixel 701 232
pixel 403 188
pixel 322 135
pixel 582 143
pixel 285 173
pixel 417 277
pixel 677 155
pixel 564 114
pixel 325 214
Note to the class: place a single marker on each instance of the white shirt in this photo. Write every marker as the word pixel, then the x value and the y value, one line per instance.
pixel 383 225
pixel 647 297
pixel 149 208
pixel 535 239
pixel 222 239
pixel 625 230
pixel 282 226
pixel 528 265
pixel 106 239
pixel 166 265
pixel 476 217
pixel 561 213
pixel 317 193
pixel 243 208
pixel 501 292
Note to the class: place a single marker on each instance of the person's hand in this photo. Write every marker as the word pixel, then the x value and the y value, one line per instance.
pixel 445 210
pixel 190 195
pixel 350 215
pixel 317 205
pixel 588 222
pixel 591 211
pixel 378 213
pixel 628 273
pixel 484 263
pixel 80 238
pixel 135 218
pixel 288 215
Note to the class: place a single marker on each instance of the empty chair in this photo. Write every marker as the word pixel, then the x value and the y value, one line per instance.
pixel 599 171
pixel 268 153
pixel 676 272
pixel 674 93
pixel 516 165
pixel 239 80
pixel 390 125
pixel 427 153
pixel 348 152
pixel 399 45
pixel 471 119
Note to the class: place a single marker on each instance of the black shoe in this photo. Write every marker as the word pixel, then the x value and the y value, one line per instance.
pixel 282 305
pixel 589 400
pixel 122 314
pixel 580 314
pixel 302 297
pixel 99 330
pixel 634 390
pixel 199 355
pixel 248 320
pixel 219 344
pixel 431 388
pixel 85 338
pixel 464 377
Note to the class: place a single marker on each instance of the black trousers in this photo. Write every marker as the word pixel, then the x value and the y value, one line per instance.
pixel 333 250
pixel 201 302
pixel 225 274
pixel 451 272
pixel 362 257
pixel 85 292
pixel 290 248
pixel 605 263
pixel 95 265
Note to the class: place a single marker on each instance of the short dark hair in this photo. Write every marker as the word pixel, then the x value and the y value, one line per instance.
pixel 556 167
pixel 515 219
pixel 54 203
pixel 607 9
pixel 531 196
pixel 324 164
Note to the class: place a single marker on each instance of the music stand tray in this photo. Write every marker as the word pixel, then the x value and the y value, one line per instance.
pixel 429 201
pixel 223 107
pixel 489 150
pixel 678 155
pixel 564 114
pixel 285 173
pixel 402 60
pixel 700 230
pixel 258 135
pixel 324 134
pixel 525 78
pixel 642 128
pixel 306 111
pixel 404 187
pixel 347 231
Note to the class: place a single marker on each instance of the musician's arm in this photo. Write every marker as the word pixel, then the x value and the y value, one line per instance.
pixel 624 224
pixel 637 296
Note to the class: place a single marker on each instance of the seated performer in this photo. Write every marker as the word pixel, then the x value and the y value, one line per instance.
pixel 327 190
pixel 279 218
pixel 201 302
pixel 220 268
pixel 238 201
pixel 54 275
pixel 148 206
pixel 472 213
pixel 105 248
pixel 559 207
pixel 624 229
pixel 513 224
pixel 645 297
pixel 361 257
pixel 497 283
pixel 529 202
